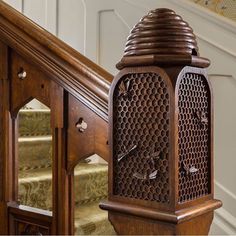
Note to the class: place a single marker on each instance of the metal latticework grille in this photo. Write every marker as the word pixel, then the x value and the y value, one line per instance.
pixel 194 137
pixel 141 137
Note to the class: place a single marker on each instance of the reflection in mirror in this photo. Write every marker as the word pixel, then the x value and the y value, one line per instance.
pixel 91 187
pixel 35 156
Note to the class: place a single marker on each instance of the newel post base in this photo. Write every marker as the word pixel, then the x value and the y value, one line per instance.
pixel 134 220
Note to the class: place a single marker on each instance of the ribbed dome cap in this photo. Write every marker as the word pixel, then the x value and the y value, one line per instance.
pixel 162 38
pixel 161 32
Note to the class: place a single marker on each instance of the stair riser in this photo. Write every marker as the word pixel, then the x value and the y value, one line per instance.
pixel 91 220
pixel 34 123
pixel 90 188
pixel 98 227
pixel 37 192
pixel 35 155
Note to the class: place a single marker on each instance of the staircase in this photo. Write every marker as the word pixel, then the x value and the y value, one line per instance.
pixel 35 175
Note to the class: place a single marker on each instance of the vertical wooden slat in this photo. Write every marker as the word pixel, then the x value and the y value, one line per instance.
pixel 63 222
pixel 3 75
pixel 3 61
pixel 5 123
pixel 6 190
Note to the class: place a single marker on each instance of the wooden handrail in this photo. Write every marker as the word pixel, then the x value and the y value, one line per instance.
pixel 73 71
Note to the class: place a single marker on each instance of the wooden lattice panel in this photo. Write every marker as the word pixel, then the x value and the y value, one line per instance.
pixel 141 117
pixel 194 137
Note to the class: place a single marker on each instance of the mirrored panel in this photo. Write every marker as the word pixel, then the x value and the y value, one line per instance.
pixel 35 156
pixel 91 187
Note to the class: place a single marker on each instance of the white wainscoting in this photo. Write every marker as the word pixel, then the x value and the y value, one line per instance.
pixel 224 90
pixel 99 28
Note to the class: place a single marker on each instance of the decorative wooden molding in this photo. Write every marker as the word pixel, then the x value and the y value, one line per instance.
pixel 176 217
pixel 28 221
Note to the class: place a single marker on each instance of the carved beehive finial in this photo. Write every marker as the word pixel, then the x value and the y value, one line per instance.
pixel 161 31
pixel 162 37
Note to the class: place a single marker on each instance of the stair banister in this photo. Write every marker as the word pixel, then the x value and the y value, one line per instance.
pixel 36 64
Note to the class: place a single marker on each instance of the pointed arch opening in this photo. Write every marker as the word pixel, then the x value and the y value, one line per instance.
pixel 34 152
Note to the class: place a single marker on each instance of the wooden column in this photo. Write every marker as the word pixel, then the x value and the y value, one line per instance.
pixel 7 165
pixel 161 132
pixel 63 221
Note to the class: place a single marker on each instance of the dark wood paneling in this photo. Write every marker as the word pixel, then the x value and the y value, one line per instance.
pixel 29 221
pixel 84 143
pixel 34 85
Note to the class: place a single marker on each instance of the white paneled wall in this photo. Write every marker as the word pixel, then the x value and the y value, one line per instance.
pixel 71 23
pixel 111 26
pixel 18 5
pixel 99 28
pixel 224 89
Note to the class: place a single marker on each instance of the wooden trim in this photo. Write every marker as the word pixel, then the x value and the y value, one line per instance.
pixel 176 217
pixel 163 60
pixel 28 216
pixel 197 210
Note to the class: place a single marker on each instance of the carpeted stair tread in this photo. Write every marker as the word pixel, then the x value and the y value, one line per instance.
pixel 91 220
pixel 35 186
pixel 91 183
pixel 34 152
pixel 34 122
pixel 33 175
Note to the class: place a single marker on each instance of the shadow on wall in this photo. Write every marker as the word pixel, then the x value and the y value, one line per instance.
pixel 224 90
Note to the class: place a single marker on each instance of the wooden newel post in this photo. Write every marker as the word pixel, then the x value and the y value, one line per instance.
pixel 161 132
